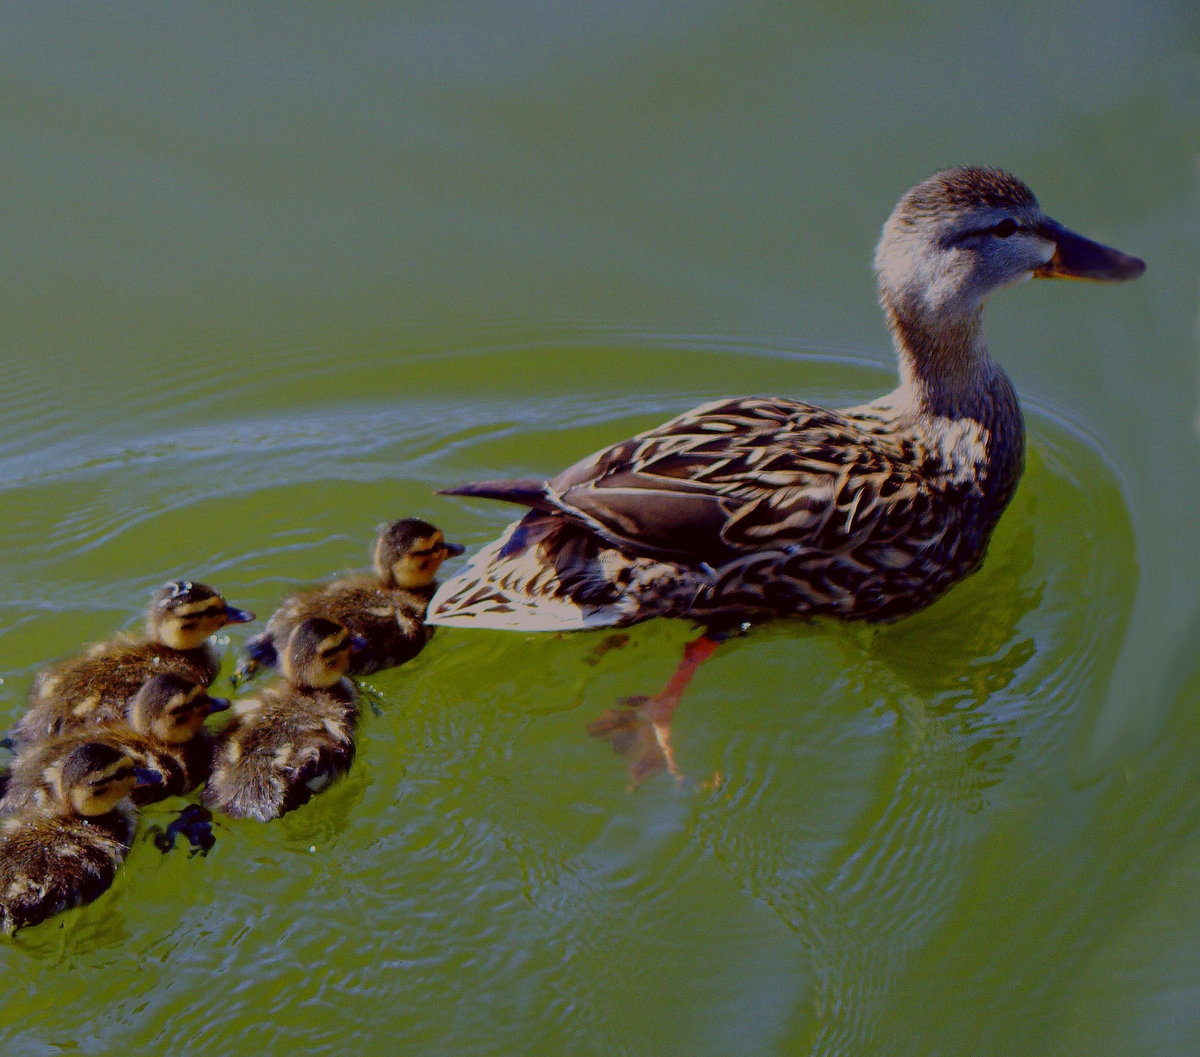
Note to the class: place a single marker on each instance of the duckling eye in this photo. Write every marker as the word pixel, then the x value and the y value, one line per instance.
pixel 1006 227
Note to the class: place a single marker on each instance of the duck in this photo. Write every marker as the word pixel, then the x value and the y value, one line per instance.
pixel 95 687
pixel 163 731
pixel 65 851
pixel 293 738
pixel 750 508
pixel 384 608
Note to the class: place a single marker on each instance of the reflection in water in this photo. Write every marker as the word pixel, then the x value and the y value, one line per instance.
pixel 983 689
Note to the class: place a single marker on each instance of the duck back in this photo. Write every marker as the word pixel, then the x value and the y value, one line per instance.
pixel 50 863
pixel 280 748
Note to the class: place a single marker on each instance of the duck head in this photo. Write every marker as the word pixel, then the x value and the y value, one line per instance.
pixel 953 240
pixel 184 613
pixel 318 653
pixel 171 708
pixel 965 232
pixel 95 777
pixel 410 552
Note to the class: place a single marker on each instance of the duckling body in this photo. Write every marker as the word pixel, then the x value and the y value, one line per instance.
pixel 163 732
pixel 65 850
pixel 96 687
pixel 294 737
pixel 384 609
pixel 765 506
pixel 51 863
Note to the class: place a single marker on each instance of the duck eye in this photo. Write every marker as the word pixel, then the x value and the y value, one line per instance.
pixel 1006 227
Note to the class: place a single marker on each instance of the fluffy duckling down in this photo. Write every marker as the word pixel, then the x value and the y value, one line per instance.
pixel 164 732
pixel 386 607
pixel 96 687
pixel 65 851
pixel 293 738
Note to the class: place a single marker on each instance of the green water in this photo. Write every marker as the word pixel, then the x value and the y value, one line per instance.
pixel 274 275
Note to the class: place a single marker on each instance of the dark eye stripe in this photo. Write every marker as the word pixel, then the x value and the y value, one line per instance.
pixel 1002 229
pixel 200 610
pixel 115 776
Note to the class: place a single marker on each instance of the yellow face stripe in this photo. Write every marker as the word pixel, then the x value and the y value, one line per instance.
pixel 334 644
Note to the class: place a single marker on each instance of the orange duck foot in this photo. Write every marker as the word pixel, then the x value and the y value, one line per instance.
pixel 640 730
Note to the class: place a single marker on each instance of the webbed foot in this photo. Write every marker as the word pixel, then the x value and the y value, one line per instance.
pixel 640 730
pixel 640 727
pixel 194 822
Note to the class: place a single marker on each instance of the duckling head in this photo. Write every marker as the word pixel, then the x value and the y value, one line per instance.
pixel 317 653
pixel 184 613
pixel 965 232
pixel 409 553
pixel 171 708
pixel 93 778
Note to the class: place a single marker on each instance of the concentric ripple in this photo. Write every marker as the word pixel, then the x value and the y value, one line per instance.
pixel 484 881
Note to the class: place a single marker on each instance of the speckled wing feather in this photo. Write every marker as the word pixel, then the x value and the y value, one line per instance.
pixel 739 476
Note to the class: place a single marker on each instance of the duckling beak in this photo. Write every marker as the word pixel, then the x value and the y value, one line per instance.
pixel 453 550
pixel 146 776
pixel 1078 258
pixel 217 704
pixel 358 647
pixel 237 616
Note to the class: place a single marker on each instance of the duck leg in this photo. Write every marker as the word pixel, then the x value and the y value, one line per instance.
pixel 195 823
pixel 640 727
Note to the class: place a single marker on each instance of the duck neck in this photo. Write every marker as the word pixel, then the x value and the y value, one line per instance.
pixel 945 367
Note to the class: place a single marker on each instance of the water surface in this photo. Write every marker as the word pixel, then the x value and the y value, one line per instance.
pixel 272 281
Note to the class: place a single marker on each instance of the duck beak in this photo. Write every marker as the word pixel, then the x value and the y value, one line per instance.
pixel 358 647
pixel 146 776
pixel 453 550
pixel 1078 258
pixel 217 704
pixel 237 616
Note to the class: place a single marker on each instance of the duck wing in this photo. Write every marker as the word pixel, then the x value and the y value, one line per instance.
pixel 735 477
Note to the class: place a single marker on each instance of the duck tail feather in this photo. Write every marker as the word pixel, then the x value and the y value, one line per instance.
pixel 524 491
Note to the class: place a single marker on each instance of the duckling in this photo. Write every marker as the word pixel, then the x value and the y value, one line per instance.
pixel 164 732
pixel 293 738
pixel 749 508
pixel 95 687
pixel 386 609
pixel 65 851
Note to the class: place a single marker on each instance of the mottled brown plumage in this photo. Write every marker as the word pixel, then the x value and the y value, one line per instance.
pixel 164 732
pixel 64 850
pixel 765 506
pixel 385 609
pixel 96 687
pixel 294 737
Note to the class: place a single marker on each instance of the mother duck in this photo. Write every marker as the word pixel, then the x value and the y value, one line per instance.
pixel 755 507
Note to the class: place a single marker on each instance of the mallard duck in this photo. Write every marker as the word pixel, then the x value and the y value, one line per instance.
pixel 164 732
pixel 756 507
pixel 296 736
pixel 96 687
pixel 65 851
pixel 386 609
